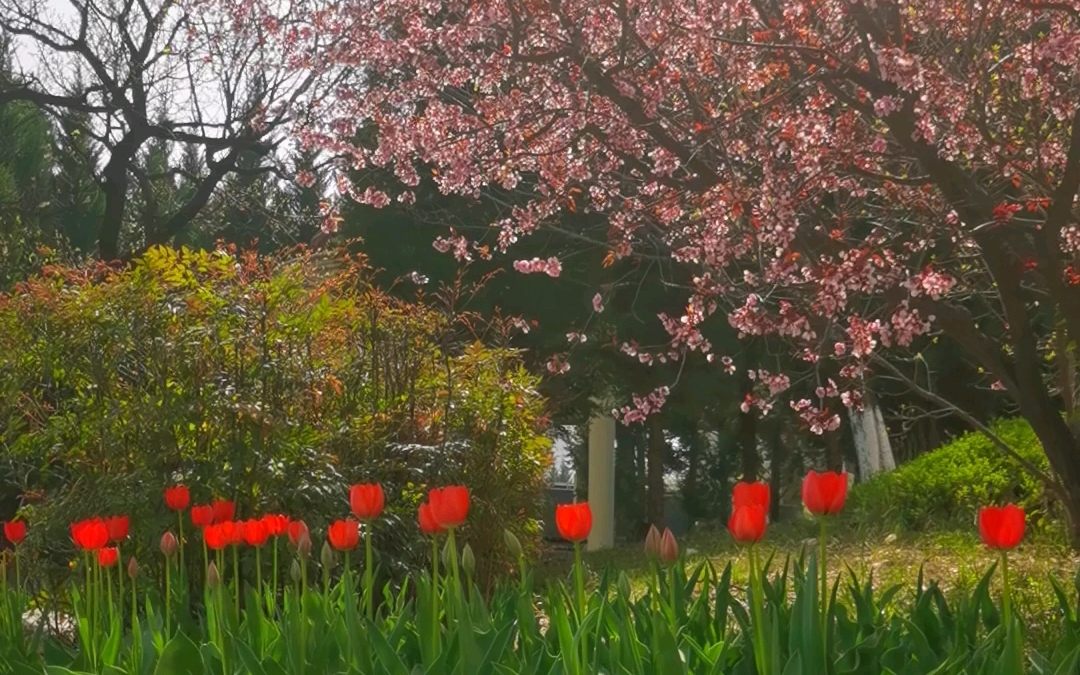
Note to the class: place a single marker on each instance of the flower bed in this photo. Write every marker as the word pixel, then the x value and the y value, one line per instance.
pixel 268 605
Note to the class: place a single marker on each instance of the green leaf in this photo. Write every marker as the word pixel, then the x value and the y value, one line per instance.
pixel 180 657
pixel 388 658
pixel 251 662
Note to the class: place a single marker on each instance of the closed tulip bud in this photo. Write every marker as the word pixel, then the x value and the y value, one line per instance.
pixel 133 567
pixel 213 579
pixel 327 556
pixel 669 549
pixel 468 560
pixel 295 572
pixel 512 543
pixel 303 545
pixel 168 544
pixel 652 542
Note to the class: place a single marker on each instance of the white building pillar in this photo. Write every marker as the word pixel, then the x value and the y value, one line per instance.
pixel 602 481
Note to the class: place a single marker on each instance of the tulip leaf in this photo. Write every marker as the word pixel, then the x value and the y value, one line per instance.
pixel 251 662
pixel 180 657
pixel 388 658
pixel 666 656
pixel 1069 664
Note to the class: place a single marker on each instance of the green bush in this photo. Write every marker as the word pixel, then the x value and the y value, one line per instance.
pixel 275 382
pixel 948 485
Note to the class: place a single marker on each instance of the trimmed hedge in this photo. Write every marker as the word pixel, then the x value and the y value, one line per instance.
pixel 948 485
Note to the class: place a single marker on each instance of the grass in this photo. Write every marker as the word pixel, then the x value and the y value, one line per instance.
pixel 955 558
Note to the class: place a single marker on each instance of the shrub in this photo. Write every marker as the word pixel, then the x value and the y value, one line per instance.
pixel 948 485
pixel 276 382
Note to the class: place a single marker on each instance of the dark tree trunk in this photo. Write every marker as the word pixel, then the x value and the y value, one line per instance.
pixel 777 460
pixel 751 462
pixel 834 453
pixel 114 183
pixel 657 455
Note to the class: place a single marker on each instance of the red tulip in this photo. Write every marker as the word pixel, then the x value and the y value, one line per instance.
pixel 574 521
pixel 1001 528
pixel 669 548
pixel 177 497
pixel 168 544
pixel 233 532
pixel 215 536
pixel 428 524
pixel 824 494
pixel 117 527
pixel 366 500
pixel 255 533
pixel 344 535
pixel 276 525
pixel 90 534
pixel 201 516
pixel 449 505
pixel 747 523
pixel 296 529
pixel 746 494
pixel 107 557
pixel 132 567
pixel 223 510
pixel 15 531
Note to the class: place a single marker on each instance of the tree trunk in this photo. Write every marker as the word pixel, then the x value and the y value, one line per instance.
pixel 872 447
pixel 1063 453
pixel 834 454
pixel 777 459
pixel 114 183
pixel 692 502
pixel 751 462
pixel 1066 369
pixel 657 453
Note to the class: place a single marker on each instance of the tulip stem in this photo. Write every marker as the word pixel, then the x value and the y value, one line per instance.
pixel 271 600
pixel 326 580
pixel 435 594
pixel 108 592
pixel 758 618
pixel 1006 603
pixel 180 526
pixel 453 572
pixel 258 572
pixel 18 577
pixel 89 607
pixel 120 582
pixel 824 587
pixel 671 591
pixel 168 597
pixel 4 586
pixel 134 609
pixel 579 588
pixel 369 577
pixel 236 577
pixel 99 608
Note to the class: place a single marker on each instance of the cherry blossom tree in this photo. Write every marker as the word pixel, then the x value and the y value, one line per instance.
pixel 853 176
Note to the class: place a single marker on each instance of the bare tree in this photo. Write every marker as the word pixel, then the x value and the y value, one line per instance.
pixel 175 72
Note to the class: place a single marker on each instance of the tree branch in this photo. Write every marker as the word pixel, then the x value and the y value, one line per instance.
pixel 1050 484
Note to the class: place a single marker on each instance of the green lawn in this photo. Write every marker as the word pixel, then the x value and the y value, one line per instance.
pixel 955 559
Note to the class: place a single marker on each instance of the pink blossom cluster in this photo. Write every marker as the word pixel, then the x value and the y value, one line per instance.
pixel 551 267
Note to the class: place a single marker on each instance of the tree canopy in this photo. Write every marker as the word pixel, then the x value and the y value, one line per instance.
pixel 847 176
